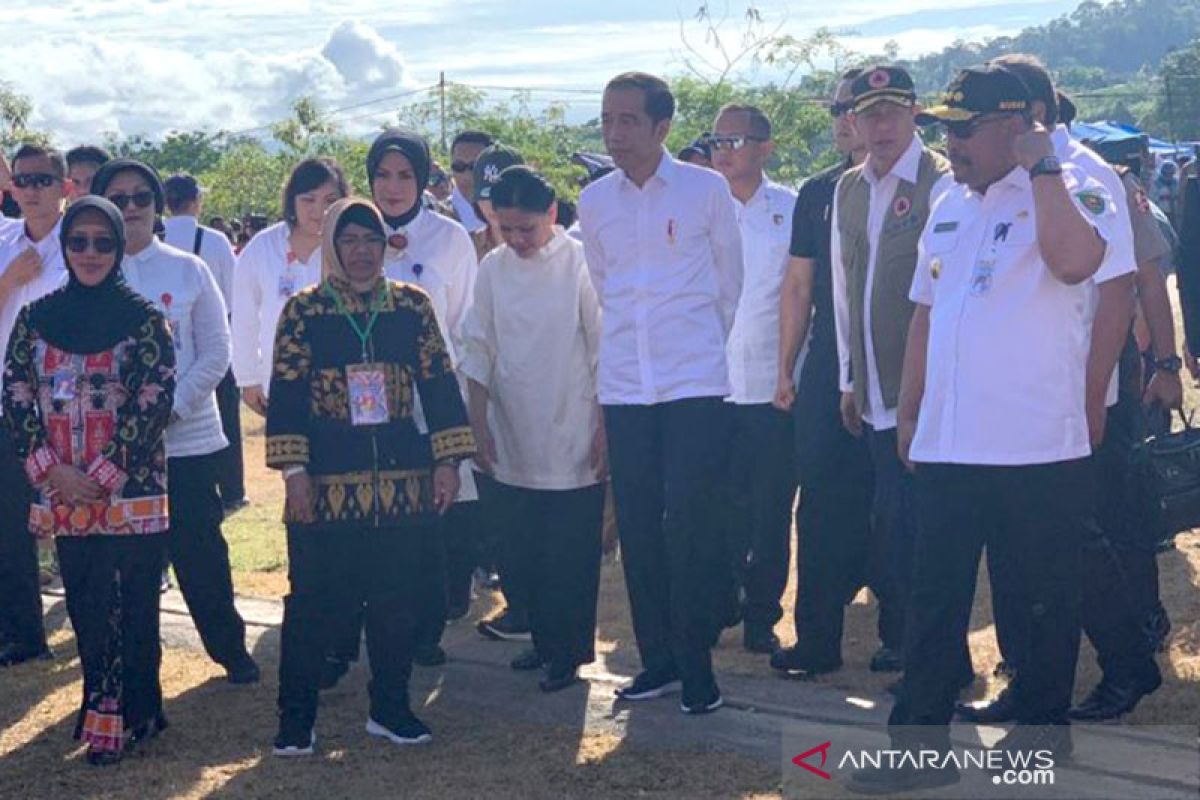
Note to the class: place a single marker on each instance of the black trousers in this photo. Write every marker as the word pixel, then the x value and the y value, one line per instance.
pixel 762 490
pixel 201 557
pixel 20 592
pixel 499 544
pixel 893 531
pixel 116 629
pixel 447 581
pixel 1032 518
pixel 557 538
pixel 668 461
pixel 334 573
pixel 231 478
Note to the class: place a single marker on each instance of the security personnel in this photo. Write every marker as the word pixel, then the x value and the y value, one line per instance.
pixel 992 412
pixel 878 214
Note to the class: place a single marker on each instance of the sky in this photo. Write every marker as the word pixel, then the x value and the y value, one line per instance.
pixel 150 66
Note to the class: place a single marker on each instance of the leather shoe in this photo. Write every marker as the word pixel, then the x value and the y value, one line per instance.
pixel 1112 699
pixel 13 654
pixel 1002 709
pixel 796 664
pixel 887 660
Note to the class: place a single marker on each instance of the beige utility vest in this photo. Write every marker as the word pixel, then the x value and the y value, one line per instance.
pixel 891 310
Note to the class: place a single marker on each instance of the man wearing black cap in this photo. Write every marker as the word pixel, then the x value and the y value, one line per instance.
pixel 491 162
pixel 878 214
pixel 699 152
pixel 992 414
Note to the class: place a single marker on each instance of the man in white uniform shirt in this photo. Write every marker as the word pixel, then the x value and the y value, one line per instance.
pixel 762 475
pixel 32 266
pixel 992 413
pixel 665 255
pixel 183 231
pixel 184 290
pixel 464 150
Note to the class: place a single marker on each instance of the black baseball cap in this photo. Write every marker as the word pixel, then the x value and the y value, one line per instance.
pixel 883 84
pixel 488 166
pixel 976 91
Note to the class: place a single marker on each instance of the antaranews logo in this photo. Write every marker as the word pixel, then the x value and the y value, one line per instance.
pixel 1022 768
pixel 802 760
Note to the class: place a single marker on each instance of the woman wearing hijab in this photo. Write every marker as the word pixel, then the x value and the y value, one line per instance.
pixel 90 382
pixel 365 486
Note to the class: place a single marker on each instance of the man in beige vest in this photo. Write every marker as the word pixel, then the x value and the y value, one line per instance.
pixel 879 210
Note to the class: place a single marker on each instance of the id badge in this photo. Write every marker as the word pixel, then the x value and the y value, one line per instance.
pixel 981 276
pixel 64 386
pixel 287 285
pixel 368 394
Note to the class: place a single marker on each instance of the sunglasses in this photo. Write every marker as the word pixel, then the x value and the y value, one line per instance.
pixel 838 109
pixel 40 180
pixel 462 166
pixel 139 199
pixel 968 128
pixel 101 244
pixel 733 143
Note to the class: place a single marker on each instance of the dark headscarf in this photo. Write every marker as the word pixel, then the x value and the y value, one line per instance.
pixel 105 174
pixel 90 319
pixel 341 214
pixel 413 147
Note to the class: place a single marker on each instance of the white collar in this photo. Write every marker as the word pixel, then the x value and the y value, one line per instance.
pixel 905 168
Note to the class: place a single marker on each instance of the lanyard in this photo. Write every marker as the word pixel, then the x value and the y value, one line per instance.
pixel 364 334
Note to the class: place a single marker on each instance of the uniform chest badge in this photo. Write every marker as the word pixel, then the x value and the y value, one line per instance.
pixel 901 206
pixel 935 268
pixel 777 219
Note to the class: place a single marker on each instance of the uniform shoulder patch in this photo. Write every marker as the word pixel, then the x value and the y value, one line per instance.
pixel 1093 201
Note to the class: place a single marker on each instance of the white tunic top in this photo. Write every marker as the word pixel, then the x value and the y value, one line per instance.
pixel 266 276
pixel 184 290
pixel 531 339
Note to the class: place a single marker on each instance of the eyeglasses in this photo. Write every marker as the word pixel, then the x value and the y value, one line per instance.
pixel 968 128
pixel 101 244
pixel 139 199
pixel 462 166
pixel 735 143
pixel 838 109
pixel 39 180
pixel 373 241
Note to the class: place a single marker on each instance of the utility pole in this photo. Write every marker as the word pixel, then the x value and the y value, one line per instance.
pixel 442 93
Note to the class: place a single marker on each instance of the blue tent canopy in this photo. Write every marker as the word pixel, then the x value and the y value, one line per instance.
pixel 1116 133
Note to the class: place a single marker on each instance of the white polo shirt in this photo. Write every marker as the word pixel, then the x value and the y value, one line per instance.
pixel 765 221
pixel 666 261
pixel 1008 342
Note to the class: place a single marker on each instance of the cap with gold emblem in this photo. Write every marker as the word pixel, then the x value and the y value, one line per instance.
pixel 977 91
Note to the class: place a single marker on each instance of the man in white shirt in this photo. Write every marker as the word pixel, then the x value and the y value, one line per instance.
pixel 183 231
pixel 184 290
pixel 878 212
pixel 465 148
pixel 82 163
pixel 32 263
pixel 665 255
pixel 762 477
pixel 993 413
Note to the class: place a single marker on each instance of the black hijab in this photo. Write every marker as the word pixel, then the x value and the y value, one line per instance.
pixel 90 319
pixel 106 173
pixel 413 147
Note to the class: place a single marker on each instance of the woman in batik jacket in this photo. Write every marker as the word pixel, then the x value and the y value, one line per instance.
pixel 89 382
pixel 353 356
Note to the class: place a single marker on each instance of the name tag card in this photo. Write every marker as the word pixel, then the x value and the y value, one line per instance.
pixel 368 394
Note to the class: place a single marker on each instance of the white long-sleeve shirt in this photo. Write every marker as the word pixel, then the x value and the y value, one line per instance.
pixel 266 276
pixel 666 262
pixel 532 339
pixel 883 190
pixel 465 211
pixel 215 249
pixel 184 290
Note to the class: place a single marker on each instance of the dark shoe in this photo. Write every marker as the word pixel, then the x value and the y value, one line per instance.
pixel 887 660
pixel 13 654
pixel 294 739
pixel 1025 740
pixel 526 660
pixel 243 673
pixel 1112 699
pixel 331 672
pixel 793 662
pixel 759 641
pixel 649 686
pixel 705 703
pixel 408 730
pixel 104 758
pixel 429 655
pixel 558 678
pixel 1002 709
pixel 233 506
pixel 505 628
pixel 148 730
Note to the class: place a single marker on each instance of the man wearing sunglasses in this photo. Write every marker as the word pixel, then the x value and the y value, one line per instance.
pixel 762 479
pixel 879 211
pixel 464 151
pixel 32 266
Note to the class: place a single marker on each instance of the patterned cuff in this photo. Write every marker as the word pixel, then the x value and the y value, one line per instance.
pixel 453 443
pixel 287 451
pixel 39 462
pixel 108 475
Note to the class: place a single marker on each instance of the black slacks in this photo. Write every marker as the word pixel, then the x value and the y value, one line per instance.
pixel 334 573
pixel 1032 519
pixel 20 592
pixel 668 461
pixel 447 582
pixel 201 557
pixel 893 531
pixel 556 536
pixel 762 489
pixel 231 478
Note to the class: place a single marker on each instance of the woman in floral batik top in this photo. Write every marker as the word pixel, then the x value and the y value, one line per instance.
pixel 89 381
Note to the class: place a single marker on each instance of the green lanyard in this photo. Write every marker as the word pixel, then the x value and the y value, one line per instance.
pixel 364 334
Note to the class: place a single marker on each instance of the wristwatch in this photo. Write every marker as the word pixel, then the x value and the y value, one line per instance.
pixel 1171 363
pixel 1047 165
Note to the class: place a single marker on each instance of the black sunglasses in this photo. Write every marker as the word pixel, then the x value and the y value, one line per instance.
pixel 101 244
pixel 838 109
pixel 967 128
pixel 462 166
pixel 139 199
pixel 41 180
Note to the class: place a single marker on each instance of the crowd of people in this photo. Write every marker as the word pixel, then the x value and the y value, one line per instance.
pixel 926 354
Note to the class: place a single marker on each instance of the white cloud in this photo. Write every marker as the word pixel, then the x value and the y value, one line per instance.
pixel 363 58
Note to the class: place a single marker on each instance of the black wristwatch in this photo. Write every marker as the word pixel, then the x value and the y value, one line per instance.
pixel 1048 165
pixel 1171 363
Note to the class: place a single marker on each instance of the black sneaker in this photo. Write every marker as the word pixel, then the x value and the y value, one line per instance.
pixel 887 660
pixel 558 677
pixel 429 655
pixel 505 628
pixel 526 660
pixel 648 686
pixel 408 730
pixel 294 739
pixel 1112 699
pixel 706 703
pixel 244 672
pixel 14 654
